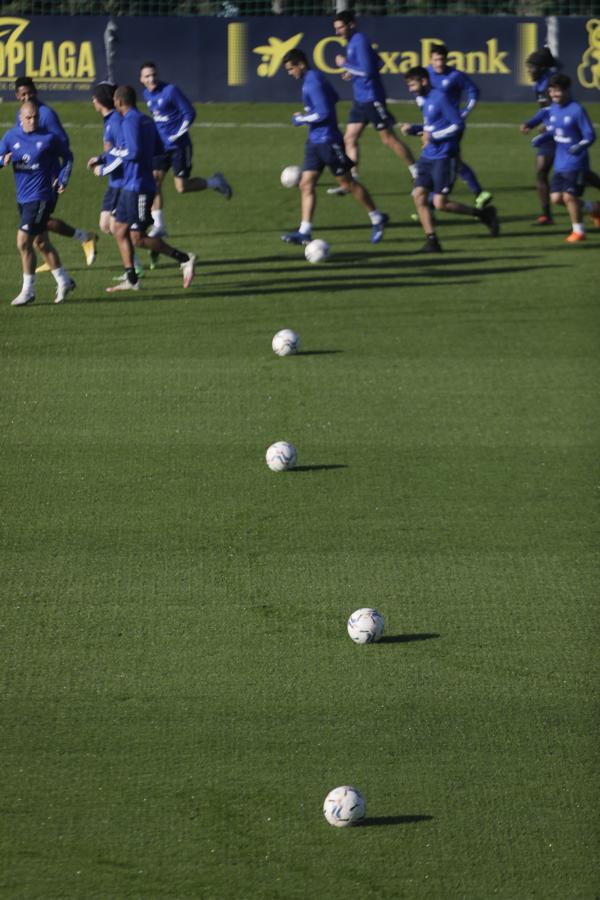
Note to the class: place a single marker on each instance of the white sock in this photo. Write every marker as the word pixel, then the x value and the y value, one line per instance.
pixel 375 217
pixel 305 227
pixel 59 274
pixel 578 228
pixel 157 218
pixel 413 169
pixel 81 235
pixel 29 283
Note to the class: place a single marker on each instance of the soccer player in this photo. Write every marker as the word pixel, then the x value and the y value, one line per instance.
pixel 42 164
pixel 132 215
pixel 454 84
pixel 103 101
pixel 438 163
pixel 569 127
pixel 361 65
pixel 26 92
pixel 173 114
pixel 324 147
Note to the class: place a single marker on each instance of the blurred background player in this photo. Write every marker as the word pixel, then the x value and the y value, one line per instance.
pixel 173 114
pixel 569 128
pixel 42 165
pixel 361 65
pixel 132 216
pixel 541 67
pixel 324 147
pixel 454 84
pixel 102 99
pixel 438 163
pixel 26 92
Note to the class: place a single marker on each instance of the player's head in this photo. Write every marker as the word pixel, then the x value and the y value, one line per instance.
pixel 417 80
pixel 438 57
pixel 148 76
pixel 539 62
pixel 103 96
pixel 344 24
pixel 125 98
pixel 295 63
pixel 25 89
pixel 559 87
pixel 29 115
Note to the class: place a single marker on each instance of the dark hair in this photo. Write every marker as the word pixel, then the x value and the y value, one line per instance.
pixel 148 65
pixel 440 49
pixel 126 94
pixel 416 72
pixel 560 80
pixel 24 81
pixel 345 15
pixel 104 93
pixel 541 59
pixel 295 57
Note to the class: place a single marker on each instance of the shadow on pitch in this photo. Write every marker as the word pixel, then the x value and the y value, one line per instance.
pixel 407 638
pixel 374 821
pixel 318 468
pixel 317 352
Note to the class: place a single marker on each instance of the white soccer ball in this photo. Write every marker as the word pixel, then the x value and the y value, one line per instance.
pixel 366 626
pixel 344 806
pixel 316 251
pixel 290 177
pixel 281 456
pixel 286 342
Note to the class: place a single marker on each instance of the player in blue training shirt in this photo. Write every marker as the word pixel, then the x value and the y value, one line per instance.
pixel 361 65
pixel 103 101
pixel 438 163
pixel 132 215
pixel 42 164
pixel 568 126
pixel 173 114
pixel 541 67
pixel 454 84
pixel 26 92
pixel 324 147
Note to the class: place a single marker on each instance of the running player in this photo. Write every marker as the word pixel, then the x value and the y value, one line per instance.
pixel 173 114
pixel 42 165
pixel 324 147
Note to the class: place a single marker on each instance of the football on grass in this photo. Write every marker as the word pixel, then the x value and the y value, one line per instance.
pixel 365 626
pixel 286 342
pixel 344 806
pixel 281 456
pixel 290 177
pixel 316 251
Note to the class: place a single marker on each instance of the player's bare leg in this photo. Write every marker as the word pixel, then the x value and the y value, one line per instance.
pixel 308 201
pixel 421 198
pixel 216 182
pixel 575 210
pixel 543 164
pixel 390 139
pixel 487 215
pixel 351 138
pixel 360 193
pixel 87 239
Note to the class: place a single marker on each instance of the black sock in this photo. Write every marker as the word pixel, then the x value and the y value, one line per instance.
pixel 432 237
pixel 131 275
pixel 179 256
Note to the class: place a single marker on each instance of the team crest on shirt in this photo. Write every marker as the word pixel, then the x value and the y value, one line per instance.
pixel 445 82
pixel 567 119
pixel 39 144
pixel 17 145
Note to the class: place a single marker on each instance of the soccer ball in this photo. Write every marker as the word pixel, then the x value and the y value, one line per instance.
pixel 344 806
pixel 365 626
pixel 286 342
pixel 290 177
pixel 281 456
pixel 316 251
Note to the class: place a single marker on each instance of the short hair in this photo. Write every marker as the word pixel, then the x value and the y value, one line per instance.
pixel 416 72
pixel 104 93
pixel 126 94
pixel 560 80
pixel 148 65
pixel 296 57
pixel 346 16
pixel 541 59
pixel 24 81
pixel 440 49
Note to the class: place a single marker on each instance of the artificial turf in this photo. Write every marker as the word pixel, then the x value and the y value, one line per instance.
pixel 180 692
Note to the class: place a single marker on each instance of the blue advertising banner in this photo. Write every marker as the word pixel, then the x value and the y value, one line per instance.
pixel 217 59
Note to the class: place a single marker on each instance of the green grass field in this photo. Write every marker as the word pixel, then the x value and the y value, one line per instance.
pixel 179 690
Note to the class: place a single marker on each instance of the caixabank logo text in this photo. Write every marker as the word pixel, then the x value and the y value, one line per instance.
pixel 53 64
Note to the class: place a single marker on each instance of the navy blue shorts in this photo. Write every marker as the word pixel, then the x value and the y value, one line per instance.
pixel 317 156
pixel 548 151
pixel 134 210
pixel 33 217
pixel 375 112
pixel 180 158
pixel 572 182
pixel 110 199
pixel 437 175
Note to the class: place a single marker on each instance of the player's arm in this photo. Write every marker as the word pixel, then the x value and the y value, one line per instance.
pixel 63 151
pixel 588 134
pixel 538 119
pixel 455 123
pixel 5 153
pixel 471 92
pixel 185 109
pixel 318 107
pixel 364 59
pixel 53 124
